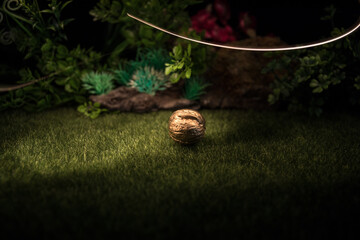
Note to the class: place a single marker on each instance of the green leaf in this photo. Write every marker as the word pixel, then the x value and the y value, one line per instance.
pixel 168 70
pixel 74 83
pixel 147 42
pixel 79 99
pixel 188 73
pixel 145 32
pixel 119 48
pixel 82 108
pixel 62 51
pixel 159 36
pixel 175 77
pixel 52 28
pixel 68 88
pixel 47 46
pixel 177 50
pixel 314 83
pixel 65 4
pixel 94 115
pixel 67 21
pixel 46 11
pixel 62 81
pixel 318 90
pixel 129 35
pixel 271 99
pixel 180 65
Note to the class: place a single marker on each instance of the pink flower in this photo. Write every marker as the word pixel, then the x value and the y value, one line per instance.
pixel 200 17
pixel 205 21
pixel 222 10
pixel 222 35
pixel 209 23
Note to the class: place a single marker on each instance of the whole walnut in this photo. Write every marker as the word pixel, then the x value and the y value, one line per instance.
pixel 186 126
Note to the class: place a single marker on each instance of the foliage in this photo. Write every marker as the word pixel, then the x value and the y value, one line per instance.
pixel 201 55
pixel 98 83
pixel 35 24
pixel 40 36
pixel 148 80
pixel 56 70
pixel 155 57
pixel 91 110
pixel 124 32
pixel 152 57
pixel 180 68
pixel 311 79
pixel 194 88
pixel 124 73
pixel 62 84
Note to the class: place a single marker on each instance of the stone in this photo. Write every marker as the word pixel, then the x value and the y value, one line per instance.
pixel 127 99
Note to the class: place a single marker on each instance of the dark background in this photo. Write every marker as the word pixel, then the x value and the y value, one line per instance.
pixel 292 21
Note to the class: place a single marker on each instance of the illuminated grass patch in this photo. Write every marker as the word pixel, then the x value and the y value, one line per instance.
pixel 254 175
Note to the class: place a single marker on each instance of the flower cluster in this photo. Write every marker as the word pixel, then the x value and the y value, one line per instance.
pixel 214 22
pixel 204 20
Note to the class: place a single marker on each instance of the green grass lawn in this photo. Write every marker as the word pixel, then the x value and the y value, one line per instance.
pixel 255 175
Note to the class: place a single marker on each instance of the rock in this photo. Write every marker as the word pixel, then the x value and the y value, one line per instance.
pixel 116 99
pixel 128 99
pixel 143 102
pixel 169 103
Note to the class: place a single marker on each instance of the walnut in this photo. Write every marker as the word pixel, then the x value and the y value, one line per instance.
pixel 186 126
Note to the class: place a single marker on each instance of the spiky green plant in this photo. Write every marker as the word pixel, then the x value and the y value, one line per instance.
pixel 123 74
pixel 152 57
pixel 148 80
pixel 98 83
pixel 194 88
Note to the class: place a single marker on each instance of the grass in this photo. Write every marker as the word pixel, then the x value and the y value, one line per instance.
pixel 255 175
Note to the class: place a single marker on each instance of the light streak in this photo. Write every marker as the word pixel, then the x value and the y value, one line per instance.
pixel 257 49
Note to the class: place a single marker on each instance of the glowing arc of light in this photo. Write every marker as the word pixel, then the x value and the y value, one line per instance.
pixel 258 49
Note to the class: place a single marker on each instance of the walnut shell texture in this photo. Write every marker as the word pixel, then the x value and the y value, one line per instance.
pixel 186 126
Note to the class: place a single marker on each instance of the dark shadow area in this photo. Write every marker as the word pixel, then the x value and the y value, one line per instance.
pixel 74 207
pixel 295 22
pixel 263 130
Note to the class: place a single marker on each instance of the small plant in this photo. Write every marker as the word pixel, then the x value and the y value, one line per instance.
pixel 123 74
pixel 148 80
pixel 124 33
pixel 194 88
pixel 312 79
pixel 91 110
pixel 98 83
pixel 318 78
pixel 55 69
pixel 155 58
pixel 180 67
